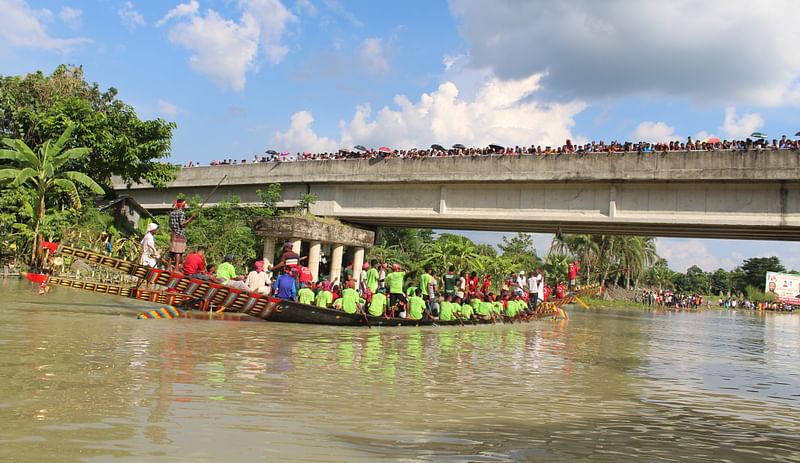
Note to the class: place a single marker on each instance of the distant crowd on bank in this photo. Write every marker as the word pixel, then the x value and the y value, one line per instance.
pixel 666 298
pixel 457 150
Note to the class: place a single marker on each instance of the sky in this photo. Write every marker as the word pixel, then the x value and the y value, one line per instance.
pixel 243 76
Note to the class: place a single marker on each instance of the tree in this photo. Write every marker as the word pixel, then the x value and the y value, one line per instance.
pixel 755 270
pixel 36 108
pixel 720 281
pixel 660 275
pixel 521 252
pixel 694 281
pixel 42 171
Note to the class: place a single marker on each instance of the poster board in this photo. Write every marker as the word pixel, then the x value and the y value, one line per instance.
pixel 785 286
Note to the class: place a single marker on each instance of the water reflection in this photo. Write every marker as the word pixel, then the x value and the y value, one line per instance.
pixel 82 385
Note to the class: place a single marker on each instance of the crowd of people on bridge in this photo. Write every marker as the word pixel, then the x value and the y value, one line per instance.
pixel 458 150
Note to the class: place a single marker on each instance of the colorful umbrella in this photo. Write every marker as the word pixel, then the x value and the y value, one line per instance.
pixel 758 135
pixel 711 140
pixel 384 149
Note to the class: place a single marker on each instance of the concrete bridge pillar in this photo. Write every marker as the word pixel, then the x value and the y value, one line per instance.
pixel 336 263
pixel 269 252
pixel 358 262
pixel 314 253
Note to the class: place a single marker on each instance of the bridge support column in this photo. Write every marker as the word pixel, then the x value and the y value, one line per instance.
pixel 269 252
pixel 336 264
pixel 314 253
pixel 358 262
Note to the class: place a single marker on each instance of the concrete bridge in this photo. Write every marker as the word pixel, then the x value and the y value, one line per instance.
pixel 719 194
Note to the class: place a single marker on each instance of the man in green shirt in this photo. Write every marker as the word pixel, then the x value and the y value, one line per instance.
pixel 446 309
pixel 466 310
pixel 372 277
pixel 484 309
pixel 394 283
pixel 377 306
pixel 416 306
pixel 324 298
pixel 305 295
pixel 227 273
pixel 450 280
pixel 350 301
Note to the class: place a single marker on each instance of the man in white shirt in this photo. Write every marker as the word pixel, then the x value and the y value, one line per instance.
pixel 149 251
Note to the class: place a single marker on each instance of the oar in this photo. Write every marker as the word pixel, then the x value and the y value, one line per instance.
pixel 364 314
pixel 583 304
pixel 213 191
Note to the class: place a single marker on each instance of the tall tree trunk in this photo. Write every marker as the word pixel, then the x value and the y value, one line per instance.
pixel 608 263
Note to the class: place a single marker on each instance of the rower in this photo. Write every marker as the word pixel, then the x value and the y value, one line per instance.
pixel 324 296
pixel 377 306
pixel 394 282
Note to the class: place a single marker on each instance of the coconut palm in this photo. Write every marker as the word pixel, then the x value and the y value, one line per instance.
pixel 41 171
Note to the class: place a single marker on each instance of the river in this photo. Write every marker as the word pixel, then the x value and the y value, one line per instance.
pixel 83 380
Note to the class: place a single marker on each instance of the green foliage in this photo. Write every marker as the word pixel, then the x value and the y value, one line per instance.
pixel 43 172
pixel 36 108
pixel 270 197
pixel 556 266
pixel 755 270
pixel 226 228
pixel 756 295
pixel 520 251
pixel 306 201
pixel 694 281
pixel 660 275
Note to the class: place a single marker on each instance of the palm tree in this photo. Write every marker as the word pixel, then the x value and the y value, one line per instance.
pixel 41 171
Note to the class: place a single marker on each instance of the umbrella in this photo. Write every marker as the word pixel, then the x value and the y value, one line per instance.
pixel 437 147
pixel 758 135
pixel 712 140
pixel 797 134
pixel 496 147
pixel 360 148
pixel 459 146
pixel 384 149
pixel 273 152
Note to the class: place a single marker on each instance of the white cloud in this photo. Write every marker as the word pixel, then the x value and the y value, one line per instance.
pixel 500 112
pixel 226 50
pixel 170 109
pixel 740 127
pixel 181 10
pixel 72 17
pixel 372 56
pixel 305 6
pixel 131 18
pixel 654 132
pixel 23 27
pixel 732 51
pixel 300 136
pixel 682 253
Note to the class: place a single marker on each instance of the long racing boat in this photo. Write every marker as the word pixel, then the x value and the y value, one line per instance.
pixel 182 296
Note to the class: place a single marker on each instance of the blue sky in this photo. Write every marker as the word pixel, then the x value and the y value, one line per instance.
pixel 242 76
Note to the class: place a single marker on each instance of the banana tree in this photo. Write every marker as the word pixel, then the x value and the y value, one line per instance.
pixel 41 170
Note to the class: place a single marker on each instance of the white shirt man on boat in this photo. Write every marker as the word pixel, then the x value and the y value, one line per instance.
pixel 149 252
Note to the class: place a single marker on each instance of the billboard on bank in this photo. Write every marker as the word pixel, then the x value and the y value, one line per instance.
pixel 785 286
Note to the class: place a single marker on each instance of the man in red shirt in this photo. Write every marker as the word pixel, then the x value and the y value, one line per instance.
pixel 573 273
pixel 195 264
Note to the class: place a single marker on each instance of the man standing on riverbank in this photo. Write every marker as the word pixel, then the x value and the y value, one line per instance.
pixel 177 235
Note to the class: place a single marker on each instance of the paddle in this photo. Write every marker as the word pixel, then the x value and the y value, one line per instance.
pixel 213 191
pixel 364 314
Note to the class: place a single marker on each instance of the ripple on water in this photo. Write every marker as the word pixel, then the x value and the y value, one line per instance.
pixel 609 386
